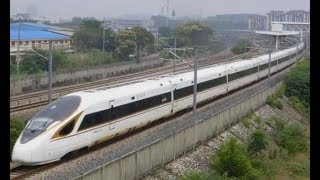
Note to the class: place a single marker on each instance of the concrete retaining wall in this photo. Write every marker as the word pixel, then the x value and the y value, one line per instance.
pixel 33 83
pixel 139 162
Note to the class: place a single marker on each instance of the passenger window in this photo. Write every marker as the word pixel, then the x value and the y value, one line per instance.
pixel 67 129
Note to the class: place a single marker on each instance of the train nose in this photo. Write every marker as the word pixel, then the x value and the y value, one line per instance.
pixel 21 154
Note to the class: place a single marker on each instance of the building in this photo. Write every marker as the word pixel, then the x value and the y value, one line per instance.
pixel 38 36
pixel 297 16
pixel 257 22
pixel 289 16
pixel 231 21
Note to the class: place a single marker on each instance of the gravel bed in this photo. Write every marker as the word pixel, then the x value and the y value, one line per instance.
pixel 197 160
pixel 76 167
pixel 240 131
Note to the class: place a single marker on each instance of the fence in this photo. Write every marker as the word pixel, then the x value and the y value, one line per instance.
pixel 139 162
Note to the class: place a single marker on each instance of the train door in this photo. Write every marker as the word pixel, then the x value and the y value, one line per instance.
pixel 226 71
pixel 258 66
pixel 174 88
pixel 111 104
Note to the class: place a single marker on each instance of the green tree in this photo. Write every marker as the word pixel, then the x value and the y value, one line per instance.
pixel 110 44
pixel 298 82
pixel 143 38
pixel 233 159
pixel 165 31
pixel 258 142
pixel 184 31
pixel 77 20
pixel 125 42
pixel 33 63
pixel 89 37
pixel 91 23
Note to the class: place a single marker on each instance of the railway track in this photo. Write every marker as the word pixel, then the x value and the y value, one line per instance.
pixel 38 99
pixel 21 172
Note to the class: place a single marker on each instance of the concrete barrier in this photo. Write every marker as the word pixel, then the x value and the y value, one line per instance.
pixel 138 163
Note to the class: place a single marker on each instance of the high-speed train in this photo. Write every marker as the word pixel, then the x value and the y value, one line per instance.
pixel 83 119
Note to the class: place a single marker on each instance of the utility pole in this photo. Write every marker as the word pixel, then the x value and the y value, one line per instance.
pixel 269 57
pixel 103 40
pixel 18 55
pixel 167 24
pixel 158 37
pixel 50 70
pixel 175 52
pixel 245 45
pixel 297 52
pixel 195 64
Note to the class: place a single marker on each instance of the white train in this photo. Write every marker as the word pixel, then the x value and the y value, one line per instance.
pixel 83 119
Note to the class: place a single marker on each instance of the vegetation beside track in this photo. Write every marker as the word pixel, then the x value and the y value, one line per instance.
pixel 16 127
pixel 283 154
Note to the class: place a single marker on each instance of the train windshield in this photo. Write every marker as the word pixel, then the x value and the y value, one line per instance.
pixel 58 110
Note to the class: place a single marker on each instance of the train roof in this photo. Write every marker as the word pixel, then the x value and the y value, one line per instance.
pixel 156 85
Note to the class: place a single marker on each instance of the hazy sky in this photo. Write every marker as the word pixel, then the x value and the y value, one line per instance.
pixel 114 8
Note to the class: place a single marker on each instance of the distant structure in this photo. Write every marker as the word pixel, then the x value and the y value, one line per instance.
pixel 230 21
pixel 34 35
pixel 118 24
pixel 289 16
pixel 38 19
pixel 257 22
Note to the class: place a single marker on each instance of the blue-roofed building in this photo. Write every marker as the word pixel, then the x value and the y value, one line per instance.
pixel 38 36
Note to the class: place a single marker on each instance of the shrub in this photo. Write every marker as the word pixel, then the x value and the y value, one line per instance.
pixel 281 91
pixel 299 105
pixel 273 153
pixel 241 47
pixel 292 138
pixel 279 124
pixel 246 122
pixel 258 142
pixel 165 54
pixel 274 102
pixel 233 159
pixel 16 127
pixel 258 120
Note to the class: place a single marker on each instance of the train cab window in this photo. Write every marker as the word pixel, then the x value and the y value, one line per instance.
pixel 58 110
pixel 67 129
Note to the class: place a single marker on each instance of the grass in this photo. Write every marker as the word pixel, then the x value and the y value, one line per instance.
pixel 246 122
pixel 299 106
pixel 258 120
pixel 297 166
